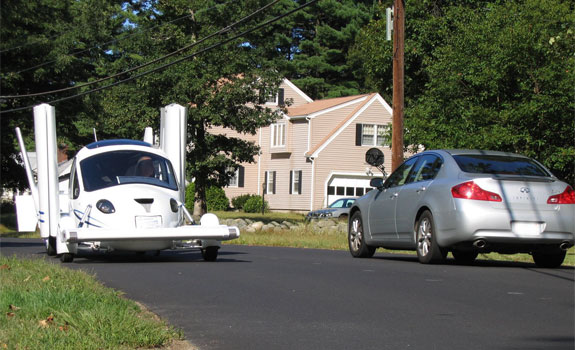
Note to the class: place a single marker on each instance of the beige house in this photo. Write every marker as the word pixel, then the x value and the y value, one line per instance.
pixel 315 153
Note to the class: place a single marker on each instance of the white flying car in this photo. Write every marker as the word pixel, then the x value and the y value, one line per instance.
pixel 121 195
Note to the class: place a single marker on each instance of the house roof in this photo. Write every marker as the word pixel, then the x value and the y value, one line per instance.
pixel 313 152
pixel 320 105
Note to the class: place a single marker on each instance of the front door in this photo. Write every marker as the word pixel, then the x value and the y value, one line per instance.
pixel 382 210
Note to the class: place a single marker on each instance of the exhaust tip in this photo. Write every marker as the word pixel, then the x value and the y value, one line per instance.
pixel 480 243
pixel 565 245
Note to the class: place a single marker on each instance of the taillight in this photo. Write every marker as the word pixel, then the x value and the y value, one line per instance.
pixel 470 190
pixel 566 197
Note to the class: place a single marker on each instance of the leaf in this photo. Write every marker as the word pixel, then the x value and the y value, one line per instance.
pixel 13 307
pixel 4 267
pixel 47 322
pixel 46 279
pixel 27 278
pixel 10 314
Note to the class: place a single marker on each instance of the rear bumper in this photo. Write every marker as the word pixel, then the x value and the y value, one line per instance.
pixel 478 220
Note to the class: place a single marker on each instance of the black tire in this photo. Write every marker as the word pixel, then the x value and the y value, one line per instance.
pixel 355 238
pixel 428 251
pixel 51 246
pixel 464 257
pixel 549 260
pixel 210 253
pixel 66 257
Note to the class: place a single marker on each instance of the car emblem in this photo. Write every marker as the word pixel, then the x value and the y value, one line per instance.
pixel 524 190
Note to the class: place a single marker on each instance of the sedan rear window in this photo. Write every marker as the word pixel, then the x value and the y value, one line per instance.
pixel 500 165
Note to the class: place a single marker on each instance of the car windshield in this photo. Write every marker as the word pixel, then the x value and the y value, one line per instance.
pixel 342 203
pixel 499 165
pixel 130 166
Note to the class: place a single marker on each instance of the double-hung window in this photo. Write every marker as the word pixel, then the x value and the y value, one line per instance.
pixel 372 135
pixel 278 135
pixel 270 182
pixel 295 177
pixel 238 179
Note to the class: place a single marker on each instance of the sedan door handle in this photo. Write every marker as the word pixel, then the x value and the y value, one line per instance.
pixel 421 189
pixel 393 196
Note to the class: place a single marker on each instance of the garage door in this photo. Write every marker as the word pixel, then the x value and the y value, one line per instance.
pixel 347 186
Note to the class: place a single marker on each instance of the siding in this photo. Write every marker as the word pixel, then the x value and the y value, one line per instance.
pixel 324 124
pixel 343 156
pixel 282 163
pixel 290 93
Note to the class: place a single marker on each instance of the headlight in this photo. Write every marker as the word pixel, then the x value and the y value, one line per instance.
pixel 105 206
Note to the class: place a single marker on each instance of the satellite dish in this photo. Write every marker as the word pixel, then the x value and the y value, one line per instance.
pixel 374 156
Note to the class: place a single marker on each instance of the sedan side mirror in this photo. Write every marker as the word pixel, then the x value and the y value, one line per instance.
pixel 376 182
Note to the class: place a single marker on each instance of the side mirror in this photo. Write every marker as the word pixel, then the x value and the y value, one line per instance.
pixel 376 182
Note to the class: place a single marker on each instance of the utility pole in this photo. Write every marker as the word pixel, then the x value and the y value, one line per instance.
pixel 398 79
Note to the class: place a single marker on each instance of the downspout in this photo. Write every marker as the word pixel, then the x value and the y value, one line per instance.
pixel 259 161
pixel 308 119
pixel 312 182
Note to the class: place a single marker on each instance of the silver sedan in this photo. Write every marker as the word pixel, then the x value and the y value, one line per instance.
pixel 466 202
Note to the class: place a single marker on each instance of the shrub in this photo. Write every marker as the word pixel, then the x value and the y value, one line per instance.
pixel 254 205
pixel 239 201
pixel 215 198
pixel 190 195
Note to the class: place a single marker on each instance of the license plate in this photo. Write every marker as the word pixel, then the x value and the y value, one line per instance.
pixel 527 228
pixel 149 221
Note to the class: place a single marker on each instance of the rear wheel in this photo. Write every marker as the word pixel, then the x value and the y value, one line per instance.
pixel 549 260
pixel 357 246
pixel 464 257
pixel 210 253
pixel 51 246
pixel 428 251
pixel 66 257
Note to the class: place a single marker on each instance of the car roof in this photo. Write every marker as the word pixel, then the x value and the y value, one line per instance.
pixel 455 152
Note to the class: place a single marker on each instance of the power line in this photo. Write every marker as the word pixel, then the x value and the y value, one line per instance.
pixel 275 19
pixel 108 42
pixel 221 31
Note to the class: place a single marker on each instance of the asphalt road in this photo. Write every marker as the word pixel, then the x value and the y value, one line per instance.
pixel 283 298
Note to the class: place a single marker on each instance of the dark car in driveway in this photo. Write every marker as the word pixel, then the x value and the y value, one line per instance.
pixel 339 209
pixel 466 202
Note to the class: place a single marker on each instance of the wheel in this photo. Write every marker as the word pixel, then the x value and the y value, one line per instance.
pixel 357 246
pixel 549 260
pixel 464 257
pixel 428 251
pixel 66 257
pixel 51 246
pixel 210 253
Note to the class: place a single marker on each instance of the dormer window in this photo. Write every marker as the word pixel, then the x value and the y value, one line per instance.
pixel 278 135
pixel 275 98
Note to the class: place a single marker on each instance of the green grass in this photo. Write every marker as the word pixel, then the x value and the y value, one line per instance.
pixel 45 306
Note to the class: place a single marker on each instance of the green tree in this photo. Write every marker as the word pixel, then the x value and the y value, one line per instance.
pixel 310 47
pixel 503 80
pixel 483 74
pixel 48 45
pixel 221 88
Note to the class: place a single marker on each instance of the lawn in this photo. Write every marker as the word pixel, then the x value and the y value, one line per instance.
pixel 45 306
